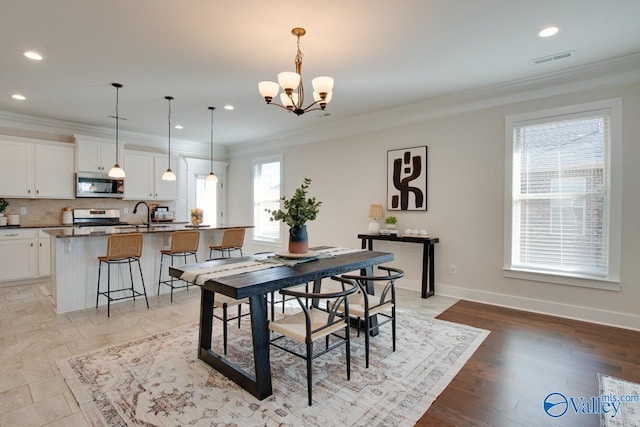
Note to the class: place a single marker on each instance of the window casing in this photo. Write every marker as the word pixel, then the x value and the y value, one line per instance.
pixel 267 182
pixel 563 194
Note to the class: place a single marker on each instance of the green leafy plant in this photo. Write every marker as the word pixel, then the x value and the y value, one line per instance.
pixel 391 220
pixel 298 209
pixel 3 205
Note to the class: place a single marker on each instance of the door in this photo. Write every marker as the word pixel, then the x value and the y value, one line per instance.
pixel 54 171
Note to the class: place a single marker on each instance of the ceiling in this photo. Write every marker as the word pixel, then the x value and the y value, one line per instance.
pixel 382 54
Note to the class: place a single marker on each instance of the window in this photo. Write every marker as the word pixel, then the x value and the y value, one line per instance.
pixel 207 200
pixel 266 197
pixel 562 198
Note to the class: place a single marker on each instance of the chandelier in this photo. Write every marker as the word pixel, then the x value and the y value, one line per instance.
pixel 292 98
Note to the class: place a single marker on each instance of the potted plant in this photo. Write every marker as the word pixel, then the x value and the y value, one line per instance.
pixel 391 222
pixel 3 206
pixel 297 211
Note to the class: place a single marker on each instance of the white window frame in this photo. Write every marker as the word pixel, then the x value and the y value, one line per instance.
pixel 256 236
pixel 614 190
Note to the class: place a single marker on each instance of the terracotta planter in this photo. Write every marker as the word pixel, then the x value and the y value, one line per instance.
pixel 298 240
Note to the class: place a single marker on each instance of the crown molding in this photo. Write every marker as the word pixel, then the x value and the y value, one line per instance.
pixel 614 72
pixel 135 140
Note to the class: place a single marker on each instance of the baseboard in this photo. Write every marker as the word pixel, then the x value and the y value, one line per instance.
pixel 586 314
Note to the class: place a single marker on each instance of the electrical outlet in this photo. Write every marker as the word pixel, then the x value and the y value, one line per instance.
pixel 125 210
pixel 453 269
pixel 23 211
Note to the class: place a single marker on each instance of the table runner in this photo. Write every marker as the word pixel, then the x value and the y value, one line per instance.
pixel 201 275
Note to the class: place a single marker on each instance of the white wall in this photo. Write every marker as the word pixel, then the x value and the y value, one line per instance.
pixel 465 199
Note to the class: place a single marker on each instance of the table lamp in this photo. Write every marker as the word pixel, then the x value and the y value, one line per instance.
pixel 375 212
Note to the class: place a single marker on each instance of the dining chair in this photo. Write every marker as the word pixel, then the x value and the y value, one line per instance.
pixel 376 297
pixel 184 243
pixel 121 249
pixel 312 324
pixel 232 240
pixel 223 303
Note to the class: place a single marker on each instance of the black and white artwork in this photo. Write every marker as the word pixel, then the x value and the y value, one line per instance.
pixel 407 179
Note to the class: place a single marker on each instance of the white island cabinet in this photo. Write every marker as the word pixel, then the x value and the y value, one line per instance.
pixel 75 252
pixel 32 168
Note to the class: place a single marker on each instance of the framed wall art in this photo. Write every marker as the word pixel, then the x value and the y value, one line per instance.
pixel 407 179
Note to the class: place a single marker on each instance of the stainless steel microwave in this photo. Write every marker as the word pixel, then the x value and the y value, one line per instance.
pixel 99 185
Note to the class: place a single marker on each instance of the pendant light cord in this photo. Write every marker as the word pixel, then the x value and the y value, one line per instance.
pixel 212 108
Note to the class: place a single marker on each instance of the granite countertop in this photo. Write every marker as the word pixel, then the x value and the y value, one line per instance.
pixel 69 232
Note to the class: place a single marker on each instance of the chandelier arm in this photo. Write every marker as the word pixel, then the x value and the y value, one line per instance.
pixel 278 105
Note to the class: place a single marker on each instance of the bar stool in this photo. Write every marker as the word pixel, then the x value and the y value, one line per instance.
pixel 232 240
pixel 183 244
pixel 121 249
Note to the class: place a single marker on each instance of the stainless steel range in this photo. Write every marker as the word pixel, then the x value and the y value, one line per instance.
pixel 97 217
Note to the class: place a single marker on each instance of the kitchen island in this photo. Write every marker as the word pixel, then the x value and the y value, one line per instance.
pixel 75 252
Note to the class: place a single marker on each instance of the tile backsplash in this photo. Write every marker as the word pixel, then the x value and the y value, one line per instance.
pixel 47 212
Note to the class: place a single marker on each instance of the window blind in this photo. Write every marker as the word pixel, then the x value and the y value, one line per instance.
pixel 560 195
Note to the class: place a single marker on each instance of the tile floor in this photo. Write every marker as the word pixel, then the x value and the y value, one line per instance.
pixel 33 338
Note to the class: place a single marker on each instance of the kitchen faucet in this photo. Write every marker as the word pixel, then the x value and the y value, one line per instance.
pixel 135 210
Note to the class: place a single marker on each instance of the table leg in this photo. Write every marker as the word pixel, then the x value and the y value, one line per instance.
pixel 260 331
pixel 428 270
pixel 206 319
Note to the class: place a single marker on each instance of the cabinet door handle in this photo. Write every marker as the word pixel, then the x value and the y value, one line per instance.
pixel 29 191
pixel 11 235
pixel 31 244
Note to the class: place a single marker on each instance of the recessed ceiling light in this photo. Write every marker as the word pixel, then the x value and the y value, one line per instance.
pixel 33 55
pixel 179 127
pixel 18 97
pixel 548 32
pixel 228 107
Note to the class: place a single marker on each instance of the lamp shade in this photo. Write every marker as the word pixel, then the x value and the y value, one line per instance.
pixel 268 89
pixel 375 211
pixel 168 175
pixel 289 80
pixel 322 84
pixel 116 172
pixel 212 178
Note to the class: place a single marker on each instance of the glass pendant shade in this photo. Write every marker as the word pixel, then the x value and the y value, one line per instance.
pixel 286 101
pixel 116 171
pixel 268 89
pixel 322 84
pixel 212 178
pixel 168 175
pixel 289 80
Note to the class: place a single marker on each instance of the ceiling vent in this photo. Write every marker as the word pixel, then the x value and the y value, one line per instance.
pixel 554 57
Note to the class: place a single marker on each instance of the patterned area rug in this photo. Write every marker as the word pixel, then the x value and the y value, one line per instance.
pixel 159 381
pixel 627 394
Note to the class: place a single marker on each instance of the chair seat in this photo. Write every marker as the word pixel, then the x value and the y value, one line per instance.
pixel 221 299
pixel 294 326
pixel 357 310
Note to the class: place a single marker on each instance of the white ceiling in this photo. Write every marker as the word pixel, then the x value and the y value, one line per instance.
pixel 382 54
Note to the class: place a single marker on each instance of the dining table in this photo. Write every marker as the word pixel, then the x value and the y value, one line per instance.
pixel 244 277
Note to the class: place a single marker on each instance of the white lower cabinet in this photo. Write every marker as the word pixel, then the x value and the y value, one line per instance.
pixel 18 254
pixel 24 254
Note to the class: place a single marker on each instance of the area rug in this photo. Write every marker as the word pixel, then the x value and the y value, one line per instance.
pixel 159 381
pixel 627 394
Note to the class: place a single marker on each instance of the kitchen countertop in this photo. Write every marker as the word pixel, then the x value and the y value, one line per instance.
pixel 70 232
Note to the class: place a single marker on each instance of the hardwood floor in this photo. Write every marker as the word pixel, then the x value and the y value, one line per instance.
pixel 526 357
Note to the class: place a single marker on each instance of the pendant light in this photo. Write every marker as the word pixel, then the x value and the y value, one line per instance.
pixel 169 175
pixel 116 171
pixel 212 178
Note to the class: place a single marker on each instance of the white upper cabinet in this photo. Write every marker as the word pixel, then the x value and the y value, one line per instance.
pixel 36 169
pixel 143 179
pixel 95 156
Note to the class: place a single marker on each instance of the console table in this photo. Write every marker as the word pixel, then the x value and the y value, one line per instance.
pixel 428 267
